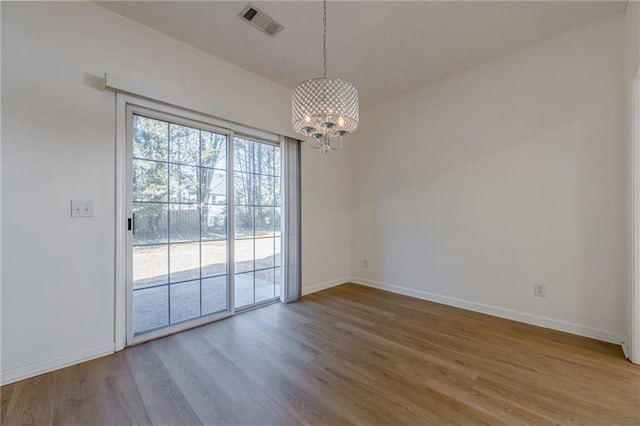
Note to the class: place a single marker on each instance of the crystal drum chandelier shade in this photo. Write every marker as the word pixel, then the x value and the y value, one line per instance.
pixel 325 109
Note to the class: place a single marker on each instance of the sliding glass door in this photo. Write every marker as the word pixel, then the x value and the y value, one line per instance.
pixel 257 222
pixel 205 223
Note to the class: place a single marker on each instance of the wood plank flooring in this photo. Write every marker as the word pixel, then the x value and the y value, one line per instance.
pixel 347 355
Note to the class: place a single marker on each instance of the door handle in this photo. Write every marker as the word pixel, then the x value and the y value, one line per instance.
pixel 131 223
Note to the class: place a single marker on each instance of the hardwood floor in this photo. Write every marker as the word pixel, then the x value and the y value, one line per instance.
pixel 350 354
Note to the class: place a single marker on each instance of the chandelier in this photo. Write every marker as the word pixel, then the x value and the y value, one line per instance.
pixel 325 109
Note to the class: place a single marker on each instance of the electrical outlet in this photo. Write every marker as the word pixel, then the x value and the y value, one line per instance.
pixel 540 290
pixel 81 208
pixel 365 263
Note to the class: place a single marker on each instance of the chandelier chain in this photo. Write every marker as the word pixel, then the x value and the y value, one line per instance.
pixel 324 36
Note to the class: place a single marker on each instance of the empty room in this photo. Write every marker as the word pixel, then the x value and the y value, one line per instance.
pixel 320 212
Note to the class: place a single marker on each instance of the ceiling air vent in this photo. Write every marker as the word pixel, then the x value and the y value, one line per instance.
pixel 260 20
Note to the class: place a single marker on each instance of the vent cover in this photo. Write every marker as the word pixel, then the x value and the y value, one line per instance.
pixel 260 20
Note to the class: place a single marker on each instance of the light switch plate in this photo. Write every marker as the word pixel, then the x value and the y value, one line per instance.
pixel 81 208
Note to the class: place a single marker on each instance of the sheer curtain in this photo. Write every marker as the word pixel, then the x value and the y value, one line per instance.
pixel 292 241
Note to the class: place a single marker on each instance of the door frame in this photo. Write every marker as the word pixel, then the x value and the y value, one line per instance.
pixel 634 326
pixel 122 330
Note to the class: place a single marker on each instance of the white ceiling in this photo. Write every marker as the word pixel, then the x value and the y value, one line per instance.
pixel 384 48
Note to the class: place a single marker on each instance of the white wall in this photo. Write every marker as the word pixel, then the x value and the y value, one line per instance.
pixel 325 213
pixel 472 189
pixel 58 144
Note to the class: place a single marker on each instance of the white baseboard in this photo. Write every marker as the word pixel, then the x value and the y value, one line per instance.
pixel 625 349
pixel 15 374
pixel 554 324
pixel 324 286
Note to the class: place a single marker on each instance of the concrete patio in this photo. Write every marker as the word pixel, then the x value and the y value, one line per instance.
pixel 153 307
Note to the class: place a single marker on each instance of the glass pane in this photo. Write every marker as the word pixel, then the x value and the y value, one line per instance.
pixel 149 181
pixel 243 255
pixel 184 221
pixel 244 289
pixel 264 221
pixel 184 261
pixel 257 185
pixel 185 301
pixel 214 258
pixel 214 295
pixel 277 282
pixel 278 251
pixel 244 188
pixel 277 191
pixel 149 223
pixel 263 159
pixel 214 186
pixel 214 222
pixel 276 161
pixel 264 285
pixel 242 155
pixel 244 222
pixel 149 138
pixel 264 190
pixel 183 181
pixel 150 308
pixel 150 265
pixel 184 145
pixel 214 150
pixel 264 252
pixel 277 221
